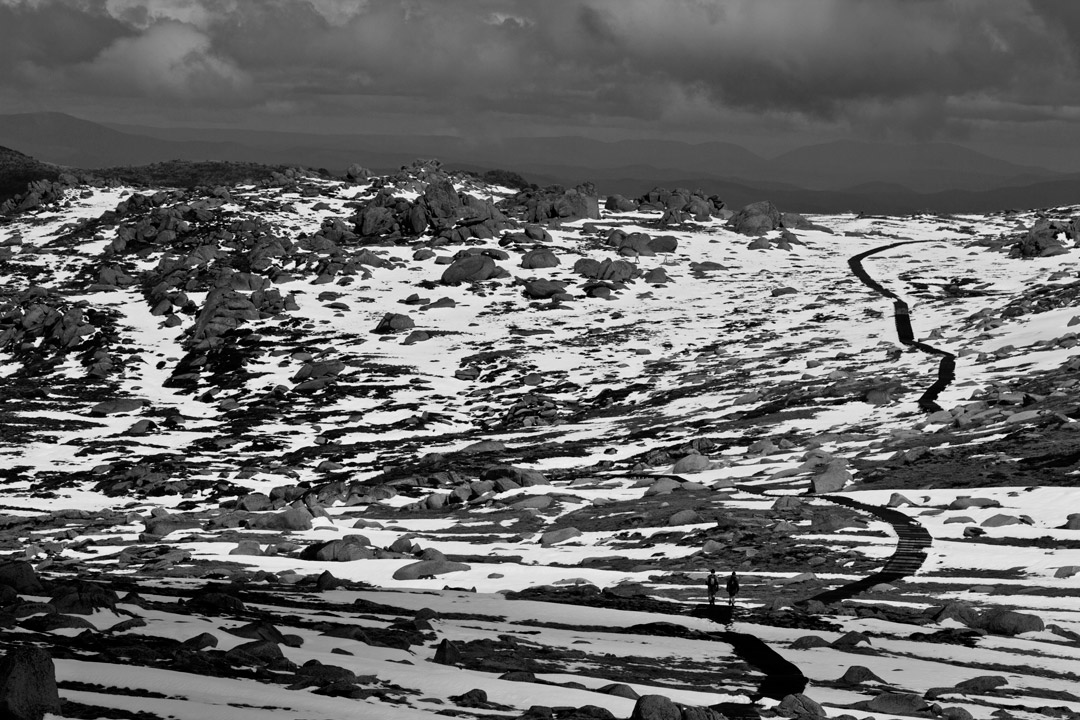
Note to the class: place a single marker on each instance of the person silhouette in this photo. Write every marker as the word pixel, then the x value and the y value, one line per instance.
pixel 713 584
pixel 732 589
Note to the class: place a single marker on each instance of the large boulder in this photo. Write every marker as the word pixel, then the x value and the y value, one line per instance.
pixel 357 173
pixel 756 219
pixel 521 477
pixel 800 706
pixel 1040 241
pixel 858 674
pixel 120 405
pixel 554 537
pixel 1010 622
pixel 441 199
pixel 576 204
pixel 21 576
pixel 83 598
pixel 470 269
pixel 543 289
pixel 28 684
pixel 618 203
pixel 393 323
pixel 981 684
pixel 1001 520
pixel 162 524
pixel 1072 522
pixel 964 502
pixel 832 478
pixel 610 270
pixel 692 463
pixel 556 203
pixel 346 549
pixel 655 707
pixel 894 703
pixel 428 568
pixel 376 220
pixel 540 258
pixel 664 244
pixel 293 518
pixel 957 610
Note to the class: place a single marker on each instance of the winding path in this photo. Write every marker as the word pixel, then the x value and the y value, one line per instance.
pixel 910 553
pixel 904 333
pixel 783 677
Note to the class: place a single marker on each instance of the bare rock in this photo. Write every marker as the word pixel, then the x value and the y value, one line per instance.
pixel 554 537
pixel 832 478
pixel 692 463
pixel 858 674
pixel 982 684
pixel 655 707
pixel 1072 522
pixel 428 568
pixel 964 502
pixel 800 706
pixel 28 684
pixel 756 219
pixel 447 653
pixel 620 690
pixel 663 486
pixel 393 323
pixel 83 598
pixel 21 576
pixel 292 518
pixel 1010 622
pixel 809 641
pixel 470 269
pixel 120 405
pixel 895 704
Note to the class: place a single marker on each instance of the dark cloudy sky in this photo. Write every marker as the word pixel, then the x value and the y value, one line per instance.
pixel 999 75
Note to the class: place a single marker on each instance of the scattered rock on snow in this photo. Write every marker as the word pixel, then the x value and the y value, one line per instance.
pixel 428 568
pixel 800 707
pixel 554 537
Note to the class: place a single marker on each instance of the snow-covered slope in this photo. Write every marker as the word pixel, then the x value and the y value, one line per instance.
pixel 244 389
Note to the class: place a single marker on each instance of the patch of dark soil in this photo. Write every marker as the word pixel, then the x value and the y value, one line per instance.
pixel 591 596
pixel 952 636
pixel 82 711
pixel 512 654
pixel 1045 542
pixel 1015 573
pixel 1002 669
pixel 1046 457
pixel 112 690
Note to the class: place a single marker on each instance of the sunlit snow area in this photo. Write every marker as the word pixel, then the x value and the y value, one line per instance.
pixel 260 458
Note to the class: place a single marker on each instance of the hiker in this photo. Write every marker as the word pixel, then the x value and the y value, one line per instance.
pixel 732 589
pixel 713 584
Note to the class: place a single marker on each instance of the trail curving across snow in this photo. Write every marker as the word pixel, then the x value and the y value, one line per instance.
pixel 904 333
pixel 910 553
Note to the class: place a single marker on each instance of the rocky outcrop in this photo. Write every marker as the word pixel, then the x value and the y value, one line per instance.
pixel 471 269
pixel 554 204
pixel 756 219
pixel 28 684
pixel 440 209
pixel 1044 239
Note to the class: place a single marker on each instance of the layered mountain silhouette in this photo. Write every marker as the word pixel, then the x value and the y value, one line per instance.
pixel 831 177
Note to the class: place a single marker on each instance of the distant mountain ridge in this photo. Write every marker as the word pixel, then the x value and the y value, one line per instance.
pixel 832 177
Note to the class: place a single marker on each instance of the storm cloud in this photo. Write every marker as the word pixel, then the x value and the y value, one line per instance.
pixel 916 66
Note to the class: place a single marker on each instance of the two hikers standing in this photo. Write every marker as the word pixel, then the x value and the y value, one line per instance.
pixel 713 584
